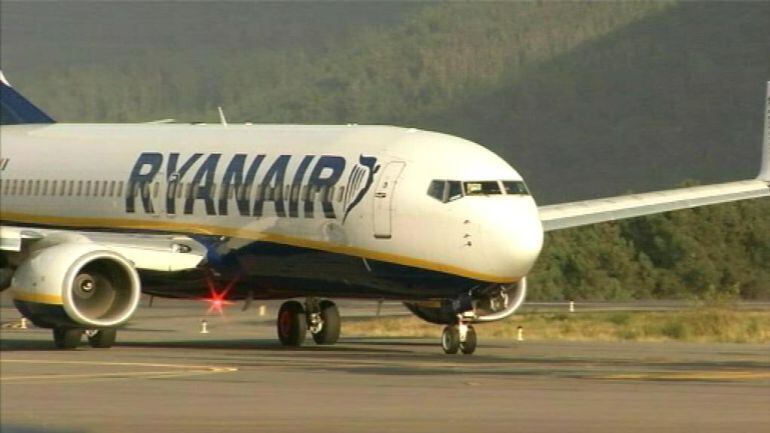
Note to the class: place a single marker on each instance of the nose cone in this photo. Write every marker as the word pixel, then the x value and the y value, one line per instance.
pixel 513 235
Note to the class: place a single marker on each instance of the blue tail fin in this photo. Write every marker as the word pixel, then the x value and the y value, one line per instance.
pixel 16 109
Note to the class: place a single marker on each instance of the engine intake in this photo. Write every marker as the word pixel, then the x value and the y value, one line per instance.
pixel 76 285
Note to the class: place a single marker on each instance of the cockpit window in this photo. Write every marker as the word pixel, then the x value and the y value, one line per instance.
pixel 515 187
pixel 436 189
pixel 454 190
pixel 450 190
pixel 445 190
pixel 491 187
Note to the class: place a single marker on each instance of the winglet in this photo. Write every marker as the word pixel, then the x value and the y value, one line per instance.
pixel 764 174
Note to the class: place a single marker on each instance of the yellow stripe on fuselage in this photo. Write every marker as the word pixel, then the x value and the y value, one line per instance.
pixel 37 297
pixel 204 229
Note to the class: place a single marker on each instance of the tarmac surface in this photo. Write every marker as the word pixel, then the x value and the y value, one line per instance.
pixel 163 375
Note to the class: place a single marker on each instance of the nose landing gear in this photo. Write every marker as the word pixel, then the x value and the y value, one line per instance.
pixel 322 319
pixel 461 336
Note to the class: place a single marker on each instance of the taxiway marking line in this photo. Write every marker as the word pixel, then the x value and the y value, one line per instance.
pixel 173 370
pixel 690 375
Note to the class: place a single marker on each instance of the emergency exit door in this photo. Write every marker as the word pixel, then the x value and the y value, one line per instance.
pixel 383 199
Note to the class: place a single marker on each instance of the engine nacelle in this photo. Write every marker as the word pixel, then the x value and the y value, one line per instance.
pixel 488 305
pixel 76 285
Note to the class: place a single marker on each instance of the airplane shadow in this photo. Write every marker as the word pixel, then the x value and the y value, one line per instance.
pixel 23 345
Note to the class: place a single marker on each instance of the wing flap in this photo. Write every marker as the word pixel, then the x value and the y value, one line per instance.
pixel 566 215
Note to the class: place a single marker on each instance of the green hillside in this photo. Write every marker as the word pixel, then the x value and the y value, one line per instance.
pixel 585 99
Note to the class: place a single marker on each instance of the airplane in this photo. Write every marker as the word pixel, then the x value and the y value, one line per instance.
pixel 94 215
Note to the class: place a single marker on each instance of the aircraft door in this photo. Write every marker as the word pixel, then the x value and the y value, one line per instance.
pixel 383 199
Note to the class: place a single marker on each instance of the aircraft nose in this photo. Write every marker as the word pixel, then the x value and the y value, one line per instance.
pixel 513 236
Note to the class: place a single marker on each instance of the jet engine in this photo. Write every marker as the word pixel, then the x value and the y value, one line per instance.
pixel 487 304
pixel 76 285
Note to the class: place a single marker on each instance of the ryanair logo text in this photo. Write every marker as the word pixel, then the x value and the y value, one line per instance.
pixel 256 184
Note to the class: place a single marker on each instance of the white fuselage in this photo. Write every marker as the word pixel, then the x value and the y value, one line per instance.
pixel 359 191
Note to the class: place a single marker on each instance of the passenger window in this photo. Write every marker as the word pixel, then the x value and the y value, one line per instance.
pixel 324 193
pixel 13 186
pixel 436 190
pixel 29 187
pixel 112 188
pixel 340 194
pixel 244 192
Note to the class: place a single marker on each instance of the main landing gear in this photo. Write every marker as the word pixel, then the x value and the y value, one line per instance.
pixel 460 337
pixel 69 338
pixel 321 318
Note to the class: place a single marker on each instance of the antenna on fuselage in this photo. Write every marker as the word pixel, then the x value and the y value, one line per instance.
pixel 222 116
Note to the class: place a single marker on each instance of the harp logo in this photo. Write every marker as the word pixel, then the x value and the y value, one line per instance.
pixel 4 163
pixel 360 180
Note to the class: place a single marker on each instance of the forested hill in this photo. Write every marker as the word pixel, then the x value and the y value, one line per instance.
pixel 585 99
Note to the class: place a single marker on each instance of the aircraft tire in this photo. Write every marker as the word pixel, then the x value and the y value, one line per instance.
pixel 450 340
pixel 103 338
pixel 291 324
pixel 468 346
pixel 330 331
pixel 67 338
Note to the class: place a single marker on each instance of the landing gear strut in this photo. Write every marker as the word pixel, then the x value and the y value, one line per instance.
pixel 102 338
pixel 67 338
pixel 321 318
pixel 460 337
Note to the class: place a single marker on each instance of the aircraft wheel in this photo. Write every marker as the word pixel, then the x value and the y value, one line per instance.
pixel 103 338
pixel 468 346
pixel 450 340
pixel 330 318
pixel 292 324
pixel 67 338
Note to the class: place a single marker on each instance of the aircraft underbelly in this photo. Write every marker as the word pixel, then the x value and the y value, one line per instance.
pixel 270 270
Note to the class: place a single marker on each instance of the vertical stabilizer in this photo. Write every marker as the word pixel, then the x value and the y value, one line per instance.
pixel 764 174
pixel 16 109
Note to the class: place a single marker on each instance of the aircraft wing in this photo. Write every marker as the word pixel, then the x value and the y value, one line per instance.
pixel 146 252
pixel 580 213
